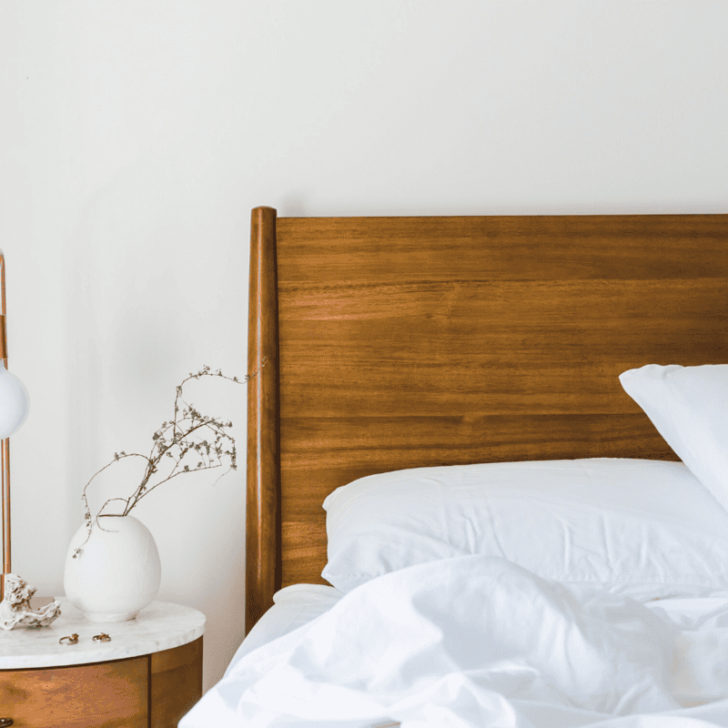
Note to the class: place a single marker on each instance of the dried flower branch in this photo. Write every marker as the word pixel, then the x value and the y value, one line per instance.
pixel 188 443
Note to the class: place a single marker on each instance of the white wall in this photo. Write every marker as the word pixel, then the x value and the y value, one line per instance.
pixel 136 135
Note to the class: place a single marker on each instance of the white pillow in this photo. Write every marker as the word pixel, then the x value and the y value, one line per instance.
pixel 643 528
pixel 689 408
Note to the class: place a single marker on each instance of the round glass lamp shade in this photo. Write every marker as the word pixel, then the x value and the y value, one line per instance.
pixel 14 402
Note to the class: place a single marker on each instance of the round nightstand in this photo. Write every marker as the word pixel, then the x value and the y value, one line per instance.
pixel 149 673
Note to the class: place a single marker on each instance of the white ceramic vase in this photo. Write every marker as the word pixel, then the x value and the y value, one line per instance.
pixel 117 572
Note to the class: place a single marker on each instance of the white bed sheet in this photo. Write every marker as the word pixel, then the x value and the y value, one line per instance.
pixel 293 607
pixel 695 630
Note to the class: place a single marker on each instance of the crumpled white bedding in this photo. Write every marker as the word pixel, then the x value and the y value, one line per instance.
pixel 476 641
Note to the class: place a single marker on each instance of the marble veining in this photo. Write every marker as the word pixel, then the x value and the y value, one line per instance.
pixel 160 626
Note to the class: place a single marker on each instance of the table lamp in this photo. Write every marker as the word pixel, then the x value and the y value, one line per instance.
pixel 15 594
pixel 14 404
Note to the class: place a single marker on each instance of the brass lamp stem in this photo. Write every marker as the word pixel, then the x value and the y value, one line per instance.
pixel 6 513
pixel 5 447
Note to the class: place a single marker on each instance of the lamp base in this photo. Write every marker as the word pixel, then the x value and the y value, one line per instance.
pixel 16 610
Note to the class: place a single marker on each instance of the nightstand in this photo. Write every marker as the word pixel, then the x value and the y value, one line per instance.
pixel 148 675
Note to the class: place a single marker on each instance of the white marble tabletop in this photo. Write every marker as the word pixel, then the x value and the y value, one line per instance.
pixel 160 626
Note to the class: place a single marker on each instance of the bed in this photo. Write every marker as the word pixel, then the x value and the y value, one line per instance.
pixel 399 343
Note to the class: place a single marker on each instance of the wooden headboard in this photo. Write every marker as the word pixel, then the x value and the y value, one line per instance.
pixel 384 343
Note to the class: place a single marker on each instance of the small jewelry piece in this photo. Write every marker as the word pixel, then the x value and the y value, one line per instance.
pixel 103 637
pixel 72 640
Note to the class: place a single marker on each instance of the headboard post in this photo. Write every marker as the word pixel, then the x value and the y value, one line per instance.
pixel 263 554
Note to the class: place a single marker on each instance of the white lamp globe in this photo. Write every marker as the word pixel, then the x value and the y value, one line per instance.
pixel 14 402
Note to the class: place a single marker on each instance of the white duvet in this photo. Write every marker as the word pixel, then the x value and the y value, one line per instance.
pixel 476 641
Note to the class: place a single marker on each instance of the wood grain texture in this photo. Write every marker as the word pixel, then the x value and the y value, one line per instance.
pixel 176 683
pixel 410 342
pixel 105 695
pixel 263 468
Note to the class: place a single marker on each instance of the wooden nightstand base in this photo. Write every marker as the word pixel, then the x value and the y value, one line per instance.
pixel 176 677
pixel 140 692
